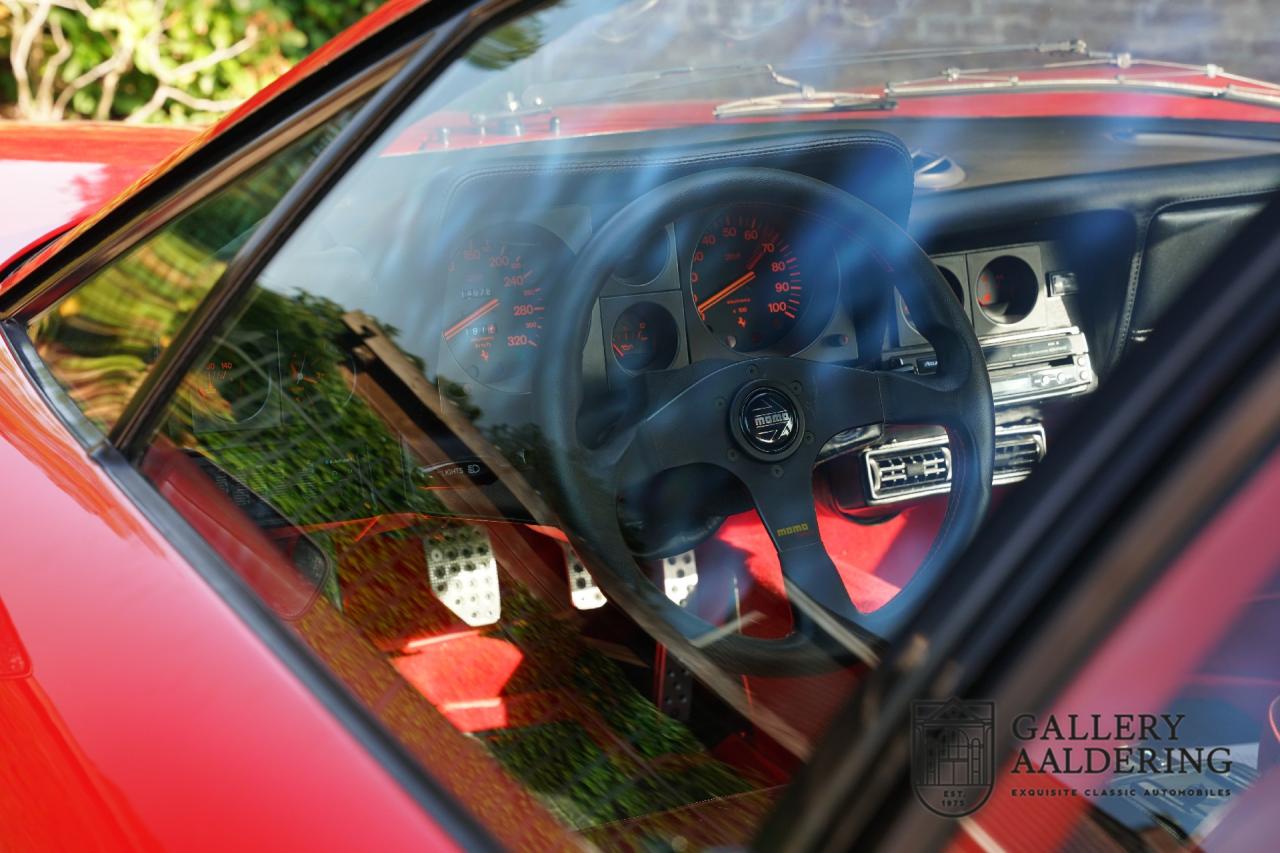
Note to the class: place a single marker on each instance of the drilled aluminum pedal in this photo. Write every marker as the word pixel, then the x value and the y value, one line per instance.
pixel 464 574
pixel 680 577
pixel 583 591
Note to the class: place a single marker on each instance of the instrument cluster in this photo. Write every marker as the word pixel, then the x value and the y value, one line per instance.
pixel 735 282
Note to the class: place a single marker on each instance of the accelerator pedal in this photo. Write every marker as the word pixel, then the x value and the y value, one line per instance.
pixel 464 574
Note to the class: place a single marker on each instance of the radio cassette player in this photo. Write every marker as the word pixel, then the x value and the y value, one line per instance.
pixel 1027 365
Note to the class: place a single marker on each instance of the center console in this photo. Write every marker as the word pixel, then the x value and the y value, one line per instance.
pixel 1020 300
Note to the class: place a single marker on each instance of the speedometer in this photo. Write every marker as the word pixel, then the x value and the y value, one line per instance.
pixel 748 280
pixel 498 283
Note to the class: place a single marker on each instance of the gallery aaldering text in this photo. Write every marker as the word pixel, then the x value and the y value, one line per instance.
pixel 1156 734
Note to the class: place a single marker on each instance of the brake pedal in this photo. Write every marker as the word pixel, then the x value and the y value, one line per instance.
pixel 583 591
pixel 464 574
pixel 680 577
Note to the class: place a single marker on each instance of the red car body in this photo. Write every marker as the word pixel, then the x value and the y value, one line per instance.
pixel 138 711
pixel 114 736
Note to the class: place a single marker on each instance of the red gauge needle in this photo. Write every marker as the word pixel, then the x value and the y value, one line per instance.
pixel 703 307
pixel 755 259
pixel 618 350
pixel 470 318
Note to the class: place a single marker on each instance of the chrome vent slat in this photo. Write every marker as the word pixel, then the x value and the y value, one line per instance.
pixel 1017 453
pixel 909 470
pixel 912 469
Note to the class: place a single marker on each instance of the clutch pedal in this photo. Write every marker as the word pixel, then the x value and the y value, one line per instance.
pixel 464 574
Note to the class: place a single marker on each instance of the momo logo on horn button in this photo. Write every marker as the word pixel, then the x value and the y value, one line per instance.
pixel 769 420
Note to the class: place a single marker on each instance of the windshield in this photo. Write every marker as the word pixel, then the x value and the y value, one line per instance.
pixel 666 50
pixel 617 410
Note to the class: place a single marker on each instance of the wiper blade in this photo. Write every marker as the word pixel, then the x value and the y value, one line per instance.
pixel 806 100
pixel 1153 76
pixel 606 90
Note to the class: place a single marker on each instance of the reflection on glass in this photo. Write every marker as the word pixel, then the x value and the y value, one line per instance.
pixel 359 440
pixel 101 340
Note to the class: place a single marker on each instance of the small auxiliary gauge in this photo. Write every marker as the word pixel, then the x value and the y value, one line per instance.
pixel 644 338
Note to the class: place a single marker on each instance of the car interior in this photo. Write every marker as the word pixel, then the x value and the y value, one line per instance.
pixel 603 466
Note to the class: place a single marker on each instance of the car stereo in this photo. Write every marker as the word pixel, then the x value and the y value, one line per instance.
pixel 1024 366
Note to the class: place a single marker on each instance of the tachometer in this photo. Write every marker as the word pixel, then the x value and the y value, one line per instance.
pixel 498 282
pixel 748 280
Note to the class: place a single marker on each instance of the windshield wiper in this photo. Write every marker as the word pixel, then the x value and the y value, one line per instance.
pixel 805 99
pixel 609 89
pixel 1162 78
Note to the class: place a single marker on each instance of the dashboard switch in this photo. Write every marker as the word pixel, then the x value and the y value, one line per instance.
pixel 1061 283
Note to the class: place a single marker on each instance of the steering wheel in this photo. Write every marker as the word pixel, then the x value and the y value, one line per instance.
pixel 764 419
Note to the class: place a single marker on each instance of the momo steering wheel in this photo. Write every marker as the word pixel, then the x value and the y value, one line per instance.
pixel 764 419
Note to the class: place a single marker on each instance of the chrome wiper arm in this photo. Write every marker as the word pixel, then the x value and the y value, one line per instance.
pixel 1226 92
pixel 1234 87
pixel 957 81
pixel 805 99
pixel 802 102
pixel 652 82
pixel 1165 80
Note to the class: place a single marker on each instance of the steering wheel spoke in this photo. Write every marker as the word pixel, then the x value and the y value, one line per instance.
pixel 784 499
pixel 911 400
pixel 841 399
pixel 684 426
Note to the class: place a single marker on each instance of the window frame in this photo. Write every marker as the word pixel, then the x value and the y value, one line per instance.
pixel 24 294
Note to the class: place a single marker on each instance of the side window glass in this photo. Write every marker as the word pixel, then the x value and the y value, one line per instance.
pixel 1180 755
pixel 101 339
pixel 388 514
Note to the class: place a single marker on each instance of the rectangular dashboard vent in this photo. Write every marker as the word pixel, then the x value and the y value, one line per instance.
pixel 911 471
pixel 1017 453
pixel 914 469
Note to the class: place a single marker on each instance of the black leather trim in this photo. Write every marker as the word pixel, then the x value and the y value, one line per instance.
pixel 1181 240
